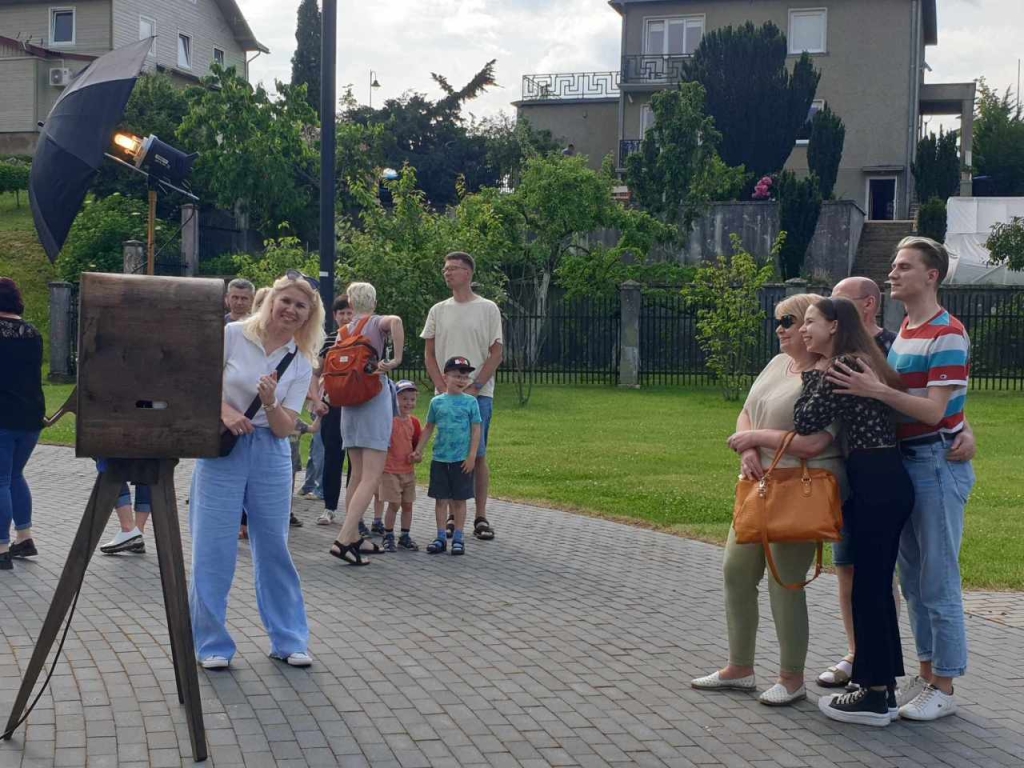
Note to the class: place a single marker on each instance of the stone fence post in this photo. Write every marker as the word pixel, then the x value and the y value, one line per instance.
pixel 894 311
pixel 190 239
pixel 134 257
pixel 61 342
pixel 629 347
pixel 795 285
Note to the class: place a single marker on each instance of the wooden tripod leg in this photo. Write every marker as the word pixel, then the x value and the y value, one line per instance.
pixel 97 513
pixel 179 622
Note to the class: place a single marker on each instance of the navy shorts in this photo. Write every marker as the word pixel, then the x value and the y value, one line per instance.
pixel 448 481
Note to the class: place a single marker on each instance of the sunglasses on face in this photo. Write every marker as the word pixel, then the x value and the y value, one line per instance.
pixel 786 321
pixel 294 274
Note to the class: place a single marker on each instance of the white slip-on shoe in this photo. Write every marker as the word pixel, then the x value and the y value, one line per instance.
pixel 715 682
pixel 124 540
pixel 779 696
pixel 297 659
pixel 215 662
pixel 930 704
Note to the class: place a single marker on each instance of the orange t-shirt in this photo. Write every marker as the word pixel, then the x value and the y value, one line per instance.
pixel 404 433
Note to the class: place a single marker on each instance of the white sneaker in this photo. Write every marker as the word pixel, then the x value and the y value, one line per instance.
pixel 122 541
pixel 779 696
pixel 215 662
pixel 715 682
pixel 326 518
pixel 930 704
pixel 911 688
pixel 295 659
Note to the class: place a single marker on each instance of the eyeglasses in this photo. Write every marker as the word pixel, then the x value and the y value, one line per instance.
pixel 294 274
pixel 786 321
pixel 453 269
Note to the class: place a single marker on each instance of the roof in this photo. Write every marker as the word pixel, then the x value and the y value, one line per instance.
pixel 42 52
pixel 229 10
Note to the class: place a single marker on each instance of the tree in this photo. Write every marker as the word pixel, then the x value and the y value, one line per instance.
pixel 278 257
pixel 799 208
pixel 757 104
pixel 825 149
pixel 931 219
pixel 999 142
pixel 1006 243
pixel 257 155
pixel 726 297
pixel 936 167
pixel 510 142
pixel 306 59
pixel 677 171
pixel 14 175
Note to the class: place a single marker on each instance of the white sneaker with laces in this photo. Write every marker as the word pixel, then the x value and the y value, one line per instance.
pixel 715 682
pixel 295 659
pixel 326 518
pixel 930 704
pixel 215 662
pixel 911 688
pixel 122 541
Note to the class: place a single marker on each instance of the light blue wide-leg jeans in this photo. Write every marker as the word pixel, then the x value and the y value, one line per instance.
pixel 257 474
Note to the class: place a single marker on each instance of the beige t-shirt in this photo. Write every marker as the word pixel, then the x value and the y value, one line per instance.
pixel 464 328
pixel 770 405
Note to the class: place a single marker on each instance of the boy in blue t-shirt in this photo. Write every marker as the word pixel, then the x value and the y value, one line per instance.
pixel 457 418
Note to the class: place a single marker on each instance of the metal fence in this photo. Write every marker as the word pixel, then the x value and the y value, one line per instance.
pixel 994 319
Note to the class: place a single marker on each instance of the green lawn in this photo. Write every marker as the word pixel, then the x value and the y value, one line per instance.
pixel 657 457
pixel 23 260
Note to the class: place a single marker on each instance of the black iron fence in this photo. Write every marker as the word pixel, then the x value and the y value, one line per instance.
pixel 571 85
pixel 654 69
pixel 994 319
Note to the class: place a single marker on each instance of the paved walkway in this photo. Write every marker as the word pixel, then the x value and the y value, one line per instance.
pixel 571 647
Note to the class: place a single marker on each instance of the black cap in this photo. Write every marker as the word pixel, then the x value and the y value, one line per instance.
pixel 458 364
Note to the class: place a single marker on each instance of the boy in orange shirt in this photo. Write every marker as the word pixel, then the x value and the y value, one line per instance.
pixel 398 483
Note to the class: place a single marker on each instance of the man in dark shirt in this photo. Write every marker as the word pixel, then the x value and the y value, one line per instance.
pixel 866 296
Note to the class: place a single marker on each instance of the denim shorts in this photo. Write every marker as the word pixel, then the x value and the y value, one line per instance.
pixel 842 550
pixel 486 410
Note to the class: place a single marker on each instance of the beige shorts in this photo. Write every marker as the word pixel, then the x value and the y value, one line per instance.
pixel 397 489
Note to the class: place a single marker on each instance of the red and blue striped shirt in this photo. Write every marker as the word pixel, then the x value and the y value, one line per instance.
pixel 935 354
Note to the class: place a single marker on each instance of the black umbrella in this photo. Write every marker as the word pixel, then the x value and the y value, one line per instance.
pixel 74 138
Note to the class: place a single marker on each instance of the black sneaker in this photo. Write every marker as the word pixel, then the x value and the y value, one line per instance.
pixel 26 548
pixel 863 707
pixel 294 522
pixel 892 701
pixel 6 564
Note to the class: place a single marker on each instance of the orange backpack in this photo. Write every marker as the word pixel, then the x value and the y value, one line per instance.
pixel 349 366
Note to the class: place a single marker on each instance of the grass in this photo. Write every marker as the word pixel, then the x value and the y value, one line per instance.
pixel 657 457
pixel 23 260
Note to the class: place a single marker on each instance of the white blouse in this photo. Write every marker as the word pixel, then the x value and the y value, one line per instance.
pixel 245 361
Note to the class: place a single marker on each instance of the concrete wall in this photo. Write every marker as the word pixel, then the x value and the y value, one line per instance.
pixel 202 20
pixel 32 19
pixel 866 74
pixel 590 124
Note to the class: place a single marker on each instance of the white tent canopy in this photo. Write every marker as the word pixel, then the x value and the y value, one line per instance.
pixel 969 222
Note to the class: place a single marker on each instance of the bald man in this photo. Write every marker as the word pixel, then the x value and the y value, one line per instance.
pixel 866 296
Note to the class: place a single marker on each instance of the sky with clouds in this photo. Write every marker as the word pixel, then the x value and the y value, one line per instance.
pixel 403 41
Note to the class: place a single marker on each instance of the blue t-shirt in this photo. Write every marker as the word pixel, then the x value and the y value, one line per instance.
pixel 454 416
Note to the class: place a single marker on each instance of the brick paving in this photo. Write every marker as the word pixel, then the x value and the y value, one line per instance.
pixel 571 642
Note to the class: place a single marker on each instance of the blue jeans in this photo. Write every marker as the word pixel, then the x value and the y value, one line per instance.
pixel 313 482
pixel 258 474
pixel 16 446
pixel 929 558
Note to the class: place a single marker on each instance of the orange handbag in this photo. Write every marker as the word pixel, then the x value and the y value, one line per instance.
pixel 788 505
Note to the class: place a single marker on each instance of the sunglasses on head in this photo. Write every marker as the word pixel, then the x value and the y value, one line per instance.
pixel 294 274
pixel 786 321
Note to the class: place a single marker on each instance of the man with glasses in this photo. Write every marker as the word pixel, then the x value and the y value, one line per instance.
pixel 866 296
pixel 467 325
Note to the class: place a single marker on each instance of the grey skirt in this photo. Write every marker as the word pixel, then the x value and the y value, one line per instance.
pixel 369 425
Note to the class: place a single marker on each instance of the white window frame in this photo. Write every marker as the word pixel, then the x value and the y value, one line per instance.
pixel 191 51
pixel 820 104
pixel 795 12
pixel 895 195
pixel 152 23
pixel 223 56
pixel 74 25
pixel 686 19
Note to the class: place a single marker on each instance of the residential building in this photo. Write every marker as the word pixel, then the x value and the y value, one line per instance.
pixel 871 55
pixel 44 44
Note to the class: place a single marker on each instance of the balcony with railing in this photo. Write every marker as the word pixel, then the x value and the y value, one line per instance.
pixel 571 86
pixel 652 69
pixel 628 147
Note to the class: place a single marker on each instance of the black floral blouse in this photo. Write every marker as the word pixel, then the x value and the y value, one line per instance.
pixel 867 423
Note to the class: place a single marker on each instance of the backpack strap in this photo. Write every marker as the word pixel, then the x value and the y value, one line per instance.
pixel 343 332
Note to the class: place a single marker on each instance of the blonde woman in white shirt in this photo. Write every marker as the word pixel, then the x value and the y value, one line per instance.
pixel 258 474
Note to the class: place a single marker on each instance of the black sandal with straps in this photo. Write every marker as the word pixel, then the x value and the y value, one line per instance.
pixel 349 553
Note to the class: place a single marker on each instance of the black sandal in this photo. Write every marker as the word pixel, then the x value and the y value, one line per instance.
pixel 482 529
pixel 349 553
pixel 377 548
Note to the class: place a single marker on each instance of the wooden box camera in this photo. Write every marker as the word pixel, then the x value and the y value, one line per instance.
pixel 150 365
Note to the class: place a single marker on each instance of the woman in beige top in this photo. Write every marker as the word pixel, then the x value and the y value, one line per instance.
pixel 766 417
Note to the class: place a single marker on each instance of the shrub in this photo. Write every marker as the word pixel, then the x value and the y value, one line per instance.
pixel 280 256
pixel 219 265
pixel 1006 243
pixel 14 178
pixel 95 243
pixel 997 342
pixel 825 149
pixel 799 207
pixel 931 219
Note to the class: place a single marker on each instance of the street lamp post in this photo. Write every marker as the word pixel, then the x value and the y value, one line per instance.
pixel 328 98
pixel 373 84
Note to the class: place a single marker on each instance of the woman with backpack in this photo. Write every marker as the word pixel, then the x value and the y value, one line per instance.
pixel 354 371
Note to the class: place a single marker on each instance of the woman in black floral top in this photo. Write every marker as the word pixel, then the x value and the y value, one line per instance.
pixel 880 503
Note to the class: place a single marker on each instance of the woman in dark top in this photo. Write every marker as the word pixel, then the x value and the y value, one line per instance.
pixel 881 498
pixel 22 408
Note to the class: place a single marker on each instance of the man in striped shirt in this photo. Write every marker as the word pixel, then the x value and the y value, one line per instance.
pixel 932 356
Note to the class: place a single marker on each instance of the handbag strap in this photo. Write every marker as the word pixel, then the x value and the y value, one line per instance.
pixel 768 556
pixel 787 439
pixel 281 368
